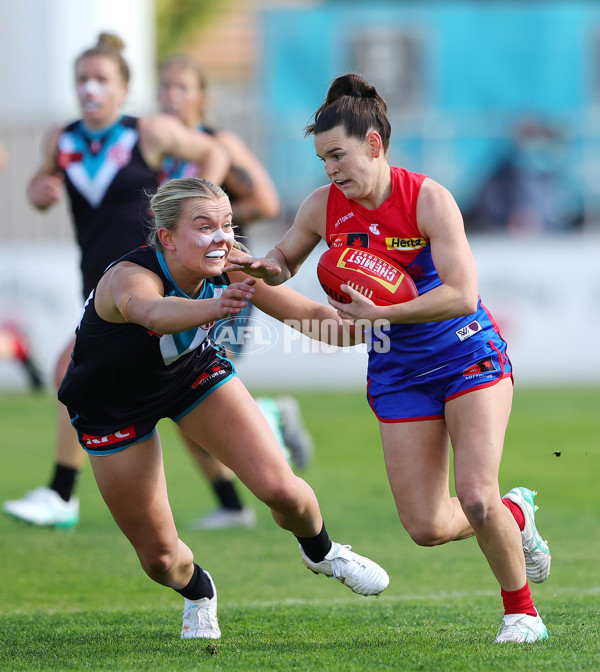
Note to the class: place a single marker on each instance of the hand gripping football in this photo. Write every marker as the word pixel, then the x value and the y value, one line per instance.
pixel 374 275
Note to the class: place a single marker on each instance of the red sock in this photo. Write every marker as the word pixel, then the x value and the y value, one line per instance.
pixel 518 601
pixel 515 509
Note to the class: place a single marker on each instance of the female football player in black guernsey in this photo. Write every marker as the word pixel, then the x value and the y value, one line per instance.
pixel 107 161
pixel 142 353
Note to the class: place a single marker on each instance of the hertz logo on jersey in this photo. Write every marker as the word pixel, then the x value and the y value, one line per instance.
pixel 405 243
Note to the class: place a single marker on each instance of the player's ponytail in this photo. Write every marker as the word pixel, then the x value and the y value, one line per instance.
pixel 111 46
pixel 354 103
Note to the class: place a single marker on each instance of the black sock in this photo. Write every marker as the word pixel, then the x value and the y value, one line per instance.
pixel 316 548
pixel 198 587
pixel 227 495
pixel 63 481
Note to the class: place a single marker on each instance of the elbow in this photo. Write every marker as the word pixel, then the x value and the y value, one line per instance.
pixel 271 210
pixel 150 316
pixel 262 208
pixel 468 304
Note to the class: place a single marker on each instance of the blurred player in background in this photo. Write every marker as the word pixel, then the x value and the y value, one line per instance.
pixel 150 311
pixel 443 378
pixel 14 345
pixel 182 93
pixel 530 191
pixel 108 162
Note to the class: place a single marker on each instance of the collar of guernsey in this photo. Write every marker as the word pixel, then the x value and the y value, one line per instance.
pixel 188 340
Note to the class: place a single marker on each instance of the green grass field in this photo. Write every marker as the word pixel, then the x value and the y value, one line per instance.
pixel 79 601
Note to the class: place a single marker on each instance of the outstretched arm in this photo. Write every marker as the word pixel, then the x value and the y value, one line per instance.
pixel 284 260
pixel 315 320
pixel 130 293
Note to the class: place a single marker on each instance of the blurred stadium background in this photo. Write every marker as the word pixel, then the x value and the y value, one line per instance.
pixel 460 79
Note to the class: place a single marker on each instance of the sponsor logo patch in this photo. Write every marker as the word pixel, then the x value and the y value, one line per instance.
pixel 405 243
pixel 369 264
pixel 470 330
pixel 481 367
pixel 64 159
pixel 110 439
pixel 203 378
pixel 360 239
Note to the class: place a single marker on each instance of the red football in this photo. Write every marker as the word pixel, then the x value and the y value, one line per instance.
pixel 374 275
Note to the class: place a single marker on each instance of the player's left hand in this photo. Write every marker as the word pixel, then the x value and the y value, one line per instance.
pixel 360 308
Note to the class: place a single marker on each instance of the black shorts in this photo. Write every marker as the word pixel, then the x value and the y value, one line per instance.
pixel 218 369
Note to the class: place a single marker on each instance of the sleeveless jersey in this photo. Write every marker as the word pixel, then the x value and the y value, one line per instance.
pixel 117 368
pixel 405 349
pixel 107 180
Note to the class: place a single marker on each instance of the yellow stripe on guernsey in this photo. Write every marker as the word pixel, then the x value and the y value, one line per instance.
pixel 405 243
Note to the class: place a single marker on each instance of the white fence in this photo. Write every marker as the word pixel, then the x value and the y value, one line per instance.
pixel 545 294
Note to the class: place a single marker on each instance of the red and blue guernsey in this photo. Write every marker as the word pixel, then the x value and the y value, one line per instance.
pixel 405 349
pixel 107 181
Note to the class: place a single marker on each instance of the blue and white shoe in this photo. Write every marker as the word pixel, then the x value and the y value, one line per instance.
pixel 535 549
pixel 223 519
pixel 521 628
pixel 296 436
pixel 45 508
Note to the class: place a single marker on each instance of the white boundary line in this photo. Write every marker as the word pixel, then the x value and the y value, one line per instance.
pixel 409 597
pixel 555 593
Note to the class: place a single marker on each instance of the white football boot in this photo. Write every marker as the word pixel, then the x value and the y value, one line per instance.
pixel 44 507
pixel 200 617
pixel 521 628
pixel 361 575
pixel 535 549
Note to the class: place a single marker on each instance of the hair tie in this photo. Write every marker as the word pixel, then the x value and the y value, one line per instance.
pixel 356 94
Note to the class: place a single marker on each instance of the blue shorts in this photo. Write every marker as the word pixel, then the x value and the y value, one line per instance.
pixel 423 397
pixel 98 440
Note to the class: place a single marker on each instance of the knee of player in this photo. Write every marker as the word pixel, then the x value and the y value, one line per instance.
pixel 286 498
pixel 157 559
pixel 427 534
pixel 476 509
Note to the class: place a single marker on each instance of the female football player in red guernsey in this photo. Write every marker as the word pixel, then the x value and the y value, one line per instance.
pixel 445 378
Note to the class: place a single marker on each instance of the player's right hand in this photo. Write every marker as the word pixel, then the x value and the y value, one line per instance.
pixel 46 190
pixel 235 298
pixel 258 267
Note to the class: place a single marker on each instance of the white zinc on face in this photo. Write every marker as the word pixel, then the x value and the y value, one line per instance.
pixel 91 92
pixel 92 87
pixel 217 236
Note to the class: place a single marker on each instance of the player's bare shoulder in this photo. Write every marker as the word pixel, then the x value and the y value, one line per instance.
pixel 154 129
pixel 312 214
pixel 436 208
